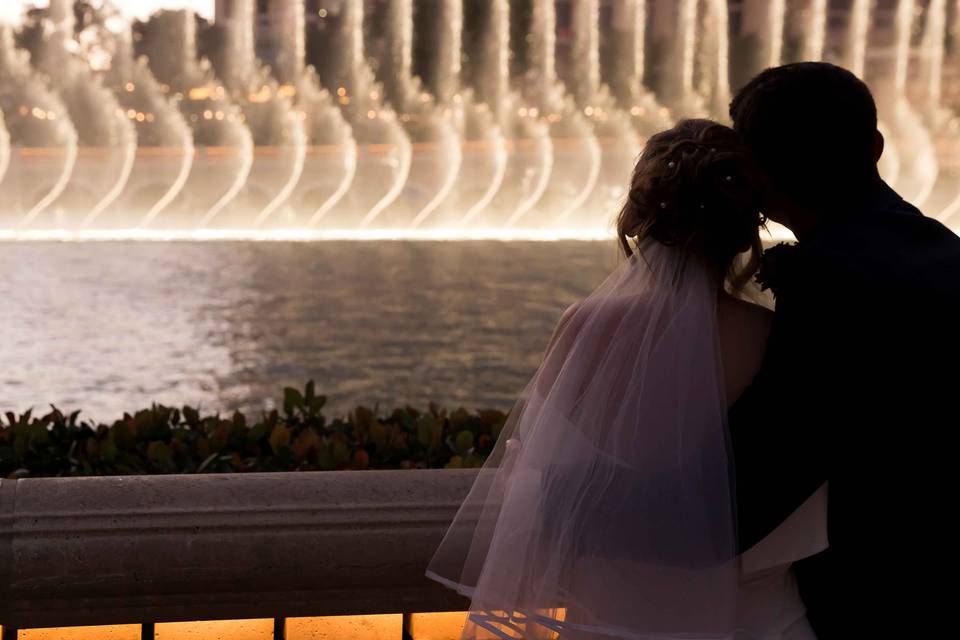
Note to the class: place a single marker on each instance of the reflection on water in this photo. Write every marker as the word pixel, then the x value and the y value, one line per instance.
pixel 114 326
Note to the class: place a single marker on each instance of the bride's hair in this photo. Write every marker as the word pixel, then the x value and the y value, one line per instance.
pixel 694 187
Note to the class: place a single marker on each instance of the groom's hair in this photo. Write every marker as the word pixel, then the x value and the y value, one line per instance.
pixel 811 127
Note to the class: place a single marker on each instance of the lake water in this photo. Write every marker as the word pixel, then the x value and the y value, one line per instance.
pixel 109 327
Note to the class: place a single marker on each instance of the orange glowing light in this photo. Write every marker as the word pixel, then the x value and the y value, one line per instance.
pixel 263 95
pixel 437 626
pixel 374 627
pixel 261 629
pixel 199 93
pixel 104 632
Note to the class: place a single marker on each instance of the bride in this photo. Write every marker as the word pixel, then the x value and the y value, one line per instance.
pixel 606 508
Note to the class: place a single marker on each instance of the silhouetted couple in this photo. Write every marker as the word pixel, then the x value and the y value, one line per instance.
pixel 686 464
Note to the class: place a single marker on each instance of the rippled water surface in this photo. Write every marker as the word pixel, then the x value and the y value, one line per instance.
pixel 114 326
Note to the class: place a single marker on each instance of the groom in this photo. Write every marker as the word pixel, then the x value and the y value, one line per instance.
pixel 860 386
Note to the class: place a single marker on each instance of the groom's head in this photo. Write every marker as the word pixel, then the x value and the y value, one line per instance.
pixel 812 128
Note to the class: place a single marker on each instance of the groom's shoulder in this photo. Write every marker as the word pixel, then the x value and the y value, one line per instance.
pixel 893 248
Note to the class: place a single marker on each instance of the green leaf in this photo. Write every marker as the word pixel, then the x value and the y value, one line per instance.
pixel 206 463
pixel 316 404
pixel 108 449
pixel 341 454
pixel 159 454
pixel 38 434
pixel 459 419
pixel 279 437
pixel 256 432
pixel 464 442
pixel 426 428
pixel 191 415
pixel 292 400
pixel 20 445
pixel 378 435
pixel 325 459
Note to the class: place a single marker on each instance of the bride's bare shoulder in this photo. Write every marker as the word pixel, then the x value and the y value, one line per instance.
pixel 739 311
pixel 744 328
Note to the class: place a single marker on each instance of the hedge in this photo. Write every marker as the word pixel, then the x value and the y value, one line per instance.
pixel 164 439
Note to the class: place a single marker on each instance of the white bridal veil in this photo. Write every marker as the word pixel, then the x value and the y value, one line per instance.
pixel 606 508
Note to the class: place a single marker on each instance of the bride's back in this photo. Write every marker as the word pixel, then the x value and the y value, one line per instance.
pixel 744 328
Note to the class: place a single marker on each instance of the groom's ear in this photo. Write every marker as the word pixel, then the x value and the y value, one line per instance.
pixel 877 146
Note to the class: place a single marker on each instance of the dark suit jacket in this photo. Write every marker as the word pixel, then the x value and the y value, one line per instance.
pixel 860 387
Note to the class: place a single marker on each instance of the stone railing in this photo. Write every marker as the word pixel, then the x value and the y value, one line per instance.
pixel 150 549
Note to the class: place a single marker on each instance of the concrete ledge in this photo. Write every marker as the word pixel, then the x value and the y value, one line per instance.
pixel 88 551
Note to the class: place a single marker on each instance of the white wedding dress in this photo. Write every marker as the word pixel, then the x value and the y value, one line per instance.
pixel 605 510
pixel 769 605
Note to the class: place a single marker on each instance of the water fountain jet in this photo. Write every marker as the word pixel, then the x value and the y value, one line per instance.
pixel 383 166
pixel 624 67
pixel 36 119
pixel 919 168
pixel 524 150
pixel 223 145
pixel 506 120
pixel 107 140
pixel 330 162
pixel 166 155
pixel 611 125
pixel 483 158
pixel 5 150
pixel 431 127
pixel 572 181
pixel 270 116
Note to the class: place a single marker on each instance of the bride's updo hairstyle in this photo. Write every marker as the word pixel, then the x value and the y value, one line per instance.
pixel 694 188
